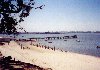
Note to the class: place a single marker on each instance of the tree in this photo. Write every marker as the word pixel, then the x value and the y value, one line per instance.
pixel 12 12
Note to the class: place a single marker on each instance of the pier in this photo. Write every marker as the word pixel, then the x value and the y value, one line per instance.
pixel 55 37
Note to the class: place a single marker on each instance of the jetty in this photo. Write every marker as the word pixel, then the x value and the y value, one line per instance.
pixel 54 37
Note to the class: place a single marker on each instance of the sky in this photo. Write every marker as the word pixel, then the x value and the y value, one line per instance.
pixel 64 15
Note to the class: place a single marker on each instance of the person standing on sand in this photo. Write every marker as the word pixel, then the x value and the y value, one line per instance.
pixel 21 46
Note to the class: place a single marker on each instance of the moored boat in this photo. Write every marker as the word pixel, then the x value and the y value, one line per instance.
pixel 98 46
pixel 49 42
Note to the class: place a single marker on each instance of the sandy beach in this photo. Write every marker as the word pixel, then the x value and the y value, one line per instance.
pixel 47 58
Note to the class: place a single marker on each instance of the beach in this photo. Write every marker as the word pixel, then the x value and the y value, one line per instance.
pixel 48 58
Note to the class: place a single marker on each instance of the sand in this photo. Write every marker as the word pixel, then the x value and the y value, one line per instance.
pixel 47 58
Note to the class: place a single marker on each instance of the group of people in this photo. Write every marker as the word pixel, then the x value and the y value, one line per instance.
pixel 44 46
pixel 41 46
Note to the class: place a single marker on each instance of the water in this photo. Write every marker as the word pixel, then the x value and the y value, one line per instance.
pixel 87 44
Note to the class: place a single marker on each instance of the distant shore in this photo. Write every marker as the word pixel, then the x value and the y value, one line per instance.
pixel 57 32
pixel 48 58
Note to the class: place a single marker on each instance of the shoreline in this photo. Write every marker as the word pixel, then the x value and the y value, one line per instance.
pixel 35 43
pixel 46 58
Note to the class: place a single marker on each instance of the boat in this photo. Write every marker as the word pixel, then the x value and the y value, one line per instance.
pixel 65 40
pixel 98 46
pixel 46 40
pixel 78 40
pixel 49 42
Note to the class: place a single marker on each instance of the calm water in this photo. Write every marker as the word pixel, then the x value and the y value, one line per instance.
pixel 87 44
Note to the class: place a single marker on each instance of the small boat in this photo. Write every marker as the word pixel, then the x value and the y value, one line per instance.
pixel 45 40
pixel 78 40
pixel 49 42
pixel 98 46
pixel 10 36
pixel 65 40
pixel 2 43
pixel 22 36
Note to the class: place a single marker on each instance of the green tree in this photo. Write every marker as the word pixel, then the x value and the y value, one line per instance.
pixel 12 12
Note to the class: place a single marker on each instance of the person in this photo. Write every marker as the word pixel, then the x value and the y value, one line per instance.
pixel 8 43
pixel 54 48
pixel 21 46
